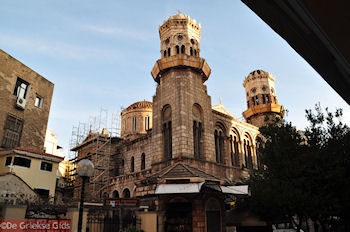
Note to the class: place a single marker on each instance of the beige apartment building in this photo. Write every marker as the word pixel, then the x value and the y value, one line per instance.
pixel 36 169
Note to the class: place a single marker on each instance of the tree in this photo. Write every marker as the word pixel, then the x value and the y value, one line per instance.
pixel 303 172
pixel 329 146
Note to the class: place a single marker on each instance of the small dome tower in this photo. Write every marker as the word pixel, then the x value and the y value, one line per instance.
pixel 179 47
pixel 261 98
pixel 136 119
pixel 179 35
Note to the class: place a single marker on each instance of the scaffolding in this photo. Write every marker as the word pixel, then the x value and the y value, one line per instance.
pixel 100 152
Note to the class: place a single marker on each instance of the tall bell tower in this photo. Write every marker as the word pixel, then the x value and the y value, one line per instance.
pixel 261 98
pixel 181 106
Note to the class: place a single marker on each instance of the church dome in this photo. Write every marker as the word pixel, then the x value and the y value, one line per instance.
pixel 178 16
pixel 136 119
pixel 140 105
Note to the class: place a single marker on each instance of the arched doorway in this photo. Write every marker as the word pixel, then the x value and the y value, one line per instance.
pixel 126 193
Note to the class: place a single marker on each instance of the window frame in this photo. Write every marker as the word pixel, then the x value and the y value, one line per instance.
pixel 197 139
pixel 143 161
pixel 133 124
pixel 147 122
pixel 41 99
pixel 132 164
pixel 7 165
pixel 12 131
pixel 219 136
pixel 20 157
pixel 18 84
pixel 41 166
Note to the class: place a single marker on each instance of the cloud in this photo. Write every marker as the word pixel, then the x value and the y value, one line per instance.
pixel 57 49
pixel 116 32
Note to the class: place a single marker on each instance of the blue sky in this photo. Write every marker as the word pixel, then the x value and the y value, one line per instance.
pixel 99 54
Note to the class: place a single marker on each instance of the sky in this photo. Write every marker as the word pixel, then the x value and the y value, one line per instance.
pixel 99 55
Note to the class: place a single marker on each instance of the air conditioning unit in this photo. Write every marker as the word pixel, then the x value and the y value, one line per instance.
pixel 21 102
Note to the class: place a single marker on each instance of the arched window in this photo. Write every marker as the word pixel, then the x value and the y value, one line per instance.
pixel 191 51
pixel 236 151
pixel 115 194
pixel 132 164
pixel 164 53
pixel 182 49
pixel 250 158
pixel 126 193
pixel 147 122
pixel 245 153
pixel 177 49
pixel 248 152
pixel 256 100
pixel 266 98
pixel 134 123
pixel 167 132
pixel 195 52
pixel 143 161
pixel 197 139
pixel 219 143
pixel 234 138
pixel 197 131
pixel 124 124
pixel 168 51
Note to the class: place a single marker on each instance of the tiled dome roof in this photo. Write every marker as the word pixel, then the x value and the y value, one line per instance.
pixel 140 104
pixel 178 16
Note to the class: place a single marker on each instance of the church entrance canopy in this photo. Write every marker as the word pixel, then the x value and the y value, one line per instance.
pixel 196 188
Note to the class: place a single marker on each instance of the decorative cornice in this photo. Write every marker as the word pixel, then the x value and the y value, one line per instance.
pixel 178 61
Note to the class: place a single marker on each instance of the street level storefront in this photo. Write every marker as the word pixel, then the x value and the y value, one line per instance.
pixel 195 207
pixel 187 199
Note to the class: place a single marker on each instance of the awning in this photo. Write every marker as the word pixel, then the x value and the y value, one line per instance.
pixel 237 190
pixel 178 188
pixel 196 187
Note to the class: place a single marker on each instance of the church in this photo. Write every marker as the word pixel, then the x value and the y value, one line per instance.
pixel 180 156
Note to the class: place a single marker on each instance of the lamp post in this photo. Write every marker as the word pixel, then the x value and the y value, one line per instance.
pixel 85 169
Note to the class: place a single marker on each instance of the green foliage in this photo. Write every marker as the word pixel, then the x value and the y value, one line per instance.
pixel 304 174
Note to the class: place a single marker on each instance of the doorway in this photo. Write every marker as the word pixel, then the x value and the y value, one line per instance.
pixel 178 217
pixel 213 215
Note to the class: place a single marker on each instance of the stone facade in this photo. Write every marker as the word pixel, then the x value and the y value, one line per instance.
pixel 136 119
pixel 14 190
pixel 22 121
pixel 261 96
pixel 189 141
